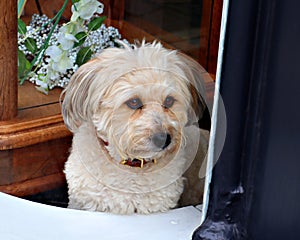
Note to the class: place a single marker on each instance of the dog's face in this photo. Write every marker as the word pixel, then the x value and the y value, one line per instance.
pixel 142 110
pixel 142 115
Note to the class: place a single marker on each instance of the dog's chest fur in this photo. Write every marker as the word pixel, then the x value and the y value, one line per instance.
pixel 96 184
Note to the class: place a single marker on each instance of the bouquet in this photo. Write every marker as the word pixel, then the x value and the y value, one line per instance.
pixel 50 52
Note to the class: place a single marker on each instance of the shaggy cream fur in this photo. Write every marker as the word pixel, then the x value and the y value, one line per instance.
pixel 140 103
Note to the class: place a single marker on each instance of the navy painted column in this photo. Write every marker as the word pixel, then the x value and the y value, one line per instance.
pixel 255 189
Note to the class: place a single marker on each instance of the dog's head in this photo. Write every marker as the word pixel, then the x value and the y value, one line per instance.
pixel 139 100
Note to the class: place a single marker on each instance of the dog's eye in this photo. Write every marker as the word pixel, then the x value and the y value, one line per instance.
pixel 134 103
pixel 169 101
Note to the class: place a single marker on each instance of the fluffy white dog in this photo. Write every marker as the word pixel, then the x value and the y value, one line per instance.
pixel 134 114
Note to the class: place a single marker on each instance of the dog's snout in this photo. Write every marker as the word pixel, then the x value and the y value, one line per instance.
pixel 161 140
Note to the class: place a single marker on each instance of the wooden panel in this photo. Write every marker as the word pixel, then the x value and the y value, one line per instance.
pixel 114 9
pixel 170 40
pixel 35 186
pixel 132 33
pixel 6 167
pixel 8 59
pixel 33 161
pixel 48 7
pixel 29 97
pixel 210 34
pixel 40 159
pixel 205 32
pixel 39 143
pixel 214 36
pixel 21 134
pixel 39 119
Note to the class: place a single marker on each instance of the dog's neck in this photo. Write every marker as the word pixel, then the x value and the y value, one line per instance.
pixel 103 167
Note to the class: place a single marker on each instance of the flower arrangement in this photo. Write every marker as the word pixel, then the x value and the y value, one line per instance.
pixel 49 53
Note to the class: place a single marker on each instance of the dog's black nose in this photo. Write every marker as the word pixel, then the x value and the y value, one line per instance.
pixel 161 140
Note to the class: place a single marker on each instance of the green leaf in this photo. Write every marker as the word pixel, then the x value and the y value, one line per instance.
pixel 21 27
pixel 31 45
pixel 81 36
pixel 96 23
pixel 84 55
pixel 23 65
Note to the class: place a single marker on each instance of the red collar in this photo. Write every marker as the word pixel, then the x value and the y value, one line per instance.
pixel 129 162
pixel 134 162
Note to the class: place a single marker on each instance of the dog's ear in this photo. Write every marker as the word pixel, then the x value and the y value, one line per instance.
pixel 75 98
pixel 83 94
pixel 196 76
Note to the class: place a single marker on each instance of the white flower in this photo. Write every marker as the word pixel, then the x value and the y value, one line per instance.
pixel 60 61
pixel 71 27
pixel 66 40
pixel 52 74
pixel 63 64
pixel 85 9
pixel 42 84
pixel 66 36
pixel 54 52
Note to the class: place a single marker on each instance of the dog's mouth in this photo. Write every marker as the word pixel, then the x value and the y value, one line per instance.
pixel 137 162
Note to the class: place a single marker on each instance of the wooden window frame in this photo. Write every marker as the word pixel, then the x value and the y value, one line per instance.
pixel 31 125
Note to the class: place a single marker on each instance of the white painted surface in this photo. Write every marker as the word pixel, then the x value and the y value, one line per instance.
pixel 217 114
pixel 25 220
